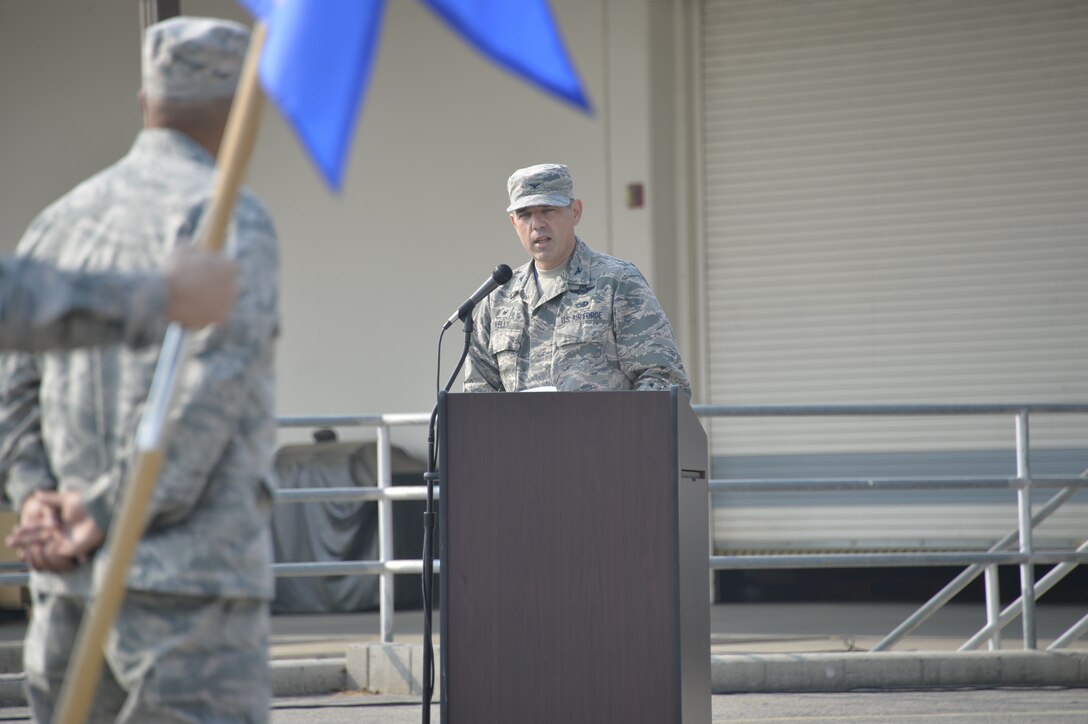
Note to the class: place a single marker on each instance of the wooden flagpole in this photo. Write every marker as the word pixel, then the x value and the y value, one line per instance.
pixel 85 666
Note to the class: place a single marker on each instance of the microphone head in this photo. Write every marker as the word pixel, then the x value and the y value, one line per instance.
pixel 502 274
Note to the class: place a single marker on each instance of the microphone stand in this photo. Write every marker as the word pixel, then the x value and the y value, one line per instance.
pixel 431 477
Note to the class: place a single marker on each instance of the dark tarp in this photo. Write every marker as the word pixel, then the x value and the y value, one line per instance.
pixel 306 532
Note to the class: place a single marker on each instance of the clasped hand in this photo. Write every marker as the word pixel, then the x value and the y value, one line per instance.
pixel 54 533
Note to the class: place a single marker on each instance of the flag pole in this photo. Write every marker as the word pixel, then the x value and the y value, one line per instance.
pixel 85 666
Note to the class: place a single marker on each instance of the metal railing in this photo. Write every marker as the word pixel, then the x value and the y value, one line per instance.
pixel 385 494
pixel 984 563
pixel 976 563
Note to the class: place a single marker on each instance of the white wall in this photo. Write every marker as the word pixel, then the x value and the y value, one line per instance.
pixel 369 275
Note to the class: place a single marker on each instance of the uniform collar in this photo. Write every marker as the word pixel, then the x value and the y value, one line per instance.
pixel 168 142
pixel 576 273
pixel 579 269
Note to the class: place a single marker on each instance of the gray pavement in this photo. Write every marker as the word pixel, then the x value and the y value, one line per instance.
pixel 757 648
pixel 770 663
pixel 739 628
pixel 963 706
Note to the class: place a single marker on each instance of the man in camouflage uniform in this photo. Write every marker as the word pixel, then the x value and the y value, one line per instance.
pixel 190 643
pixel 571 318
pixel 42 307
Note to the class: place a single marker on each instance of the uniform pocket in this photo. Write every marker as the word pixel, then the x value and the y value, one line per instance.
pixel 585 355
pixel 581 346
pixel 505 348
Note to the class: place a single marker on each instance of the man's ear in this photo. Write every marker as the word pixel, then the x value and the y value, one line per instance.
pixel 576 207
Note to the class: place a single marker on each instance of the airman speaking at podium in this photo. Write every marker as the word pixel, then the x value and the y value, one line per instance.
pixel 571 318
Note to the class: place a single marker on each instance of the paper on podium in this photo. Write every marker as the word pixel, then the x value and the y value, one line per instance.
pixel 545 388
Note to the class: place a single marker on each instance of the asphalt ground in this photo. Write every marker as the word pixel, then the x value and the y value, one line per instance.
pixel 756 630
pixel 965 706
pixel 972 706
pixel 737 628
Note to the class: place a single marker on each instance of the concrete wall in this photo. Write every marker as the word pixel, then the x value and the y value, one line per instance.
pixel 369 275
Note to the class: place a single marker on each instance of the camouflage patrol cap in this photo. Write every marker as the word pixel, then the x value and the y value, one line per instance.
pixel 193 59
pixel 546 184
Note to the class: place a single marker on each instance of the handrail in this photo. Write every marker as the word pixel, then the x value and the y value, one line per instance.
pixel 977 563
pixel 893 409
pixel 972 572
pixel 1023 483
pixel 966 482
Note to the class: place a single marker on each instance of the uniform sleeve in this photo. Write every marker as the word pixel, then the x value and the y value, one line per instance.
pixel 42 307
pixel 481 372
pixel 23 460
pixel 647 349
pixel 230 364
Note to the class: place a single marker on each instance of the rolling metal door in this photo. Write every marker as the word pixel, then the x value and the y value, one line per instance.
pixel 896 211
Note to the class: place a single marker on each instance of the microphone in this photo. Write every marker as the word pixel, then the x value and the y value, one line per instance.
pixel 500 276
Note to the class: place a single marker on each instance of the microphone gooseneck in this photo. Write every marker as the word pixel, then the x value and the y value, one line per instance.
pixel 499 276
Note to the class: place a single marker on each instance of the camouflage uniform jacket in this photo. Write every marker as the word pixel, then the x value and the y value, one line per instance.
pixel 68 419
pixel 602 329
pixel 42 307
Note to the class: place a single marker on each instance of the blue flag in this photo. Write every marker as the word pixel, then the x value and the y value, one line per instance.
pixel 318 53
pixel 315 67
pixel 520 35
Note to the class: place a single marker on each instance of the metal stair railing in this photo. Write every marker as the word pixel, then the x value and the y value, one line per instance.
pixel 1026 557
pixel 976 562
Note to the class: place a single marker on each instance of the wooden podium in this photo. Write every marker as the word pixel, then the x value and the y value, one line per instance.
pixel 574 544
